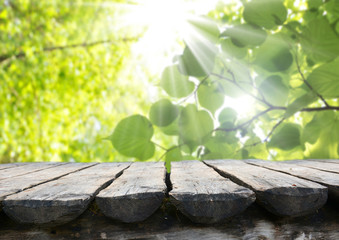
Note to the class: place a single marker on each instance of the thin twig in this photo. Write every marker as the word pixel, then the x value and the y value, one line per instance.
pixel 307 83
pixel 195 90
pixel 242 89
pixel 49 49
pixel 267 137
pixel 240 126
pixel 159 146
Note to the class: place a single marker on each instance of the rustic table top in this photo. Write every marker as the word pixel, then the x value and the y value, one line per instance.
pixel 216 199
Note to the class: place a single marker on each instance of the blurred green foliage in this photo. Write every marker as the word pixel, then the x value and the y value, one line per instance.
pixel 62 88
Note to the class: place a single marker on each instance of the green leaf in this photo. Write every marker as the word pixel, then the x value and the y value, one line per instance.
pixel 227 136
pixel 332 7
pixel 172 129
pixel 132 137
pixel 210 97
pixel 174 83
pixel 267 14
pixel 325 79
pixel 227 115
pixel 194 125
pixel 314 4
pixel 205 27
pixel 163 113
pixel 245 35
pixel 300 103
pixel 198 59
pixel 230 89
pixel 230 49
pixel 255 148
pixel 174 154
pixel 319 40
pixel 274 55
pixel 321 135
pixel 285 137
pixel 218 148
pixel 274 90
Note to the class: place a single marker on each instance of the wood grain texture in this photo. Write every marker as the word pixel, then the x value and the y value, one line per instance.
pixel 20 183
pixel 26 169
pixel 10 165
pixel 203 195
pixel 324 166
pixel 330 180
pixel 61 200
pixel 336 161
pixel 279 193
pixel 136 194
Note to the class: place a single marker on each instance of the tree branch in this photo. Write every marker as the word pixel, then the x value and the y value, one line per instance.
pixel 22 54
pixel 237 85
pixel 194 93
pixel 307 83
pixel 240 126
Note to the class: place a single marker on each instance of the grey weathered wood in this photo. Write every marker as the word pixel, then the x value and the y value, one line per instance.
pixel 64 199
pixel 16 184
pixel 10 165
pixel 324 166
pixel 27 168
pixel 326 160
pixel 328 179
pixel 203 195
pixel 279 193
pixel 136 194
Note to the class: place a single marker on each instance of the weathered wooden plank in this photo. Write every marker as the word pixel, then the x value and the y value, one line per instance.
pixel 326 160
pixel 27 168
pixel 135 195
pixel 328 179
pixel 19 183
pixel 64 199
pixel 203 195
pixel 324 166
pixel 10 165
pixel 279 193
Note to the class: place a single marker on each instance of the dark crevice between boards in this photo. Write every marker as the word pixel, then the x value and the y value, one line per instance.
pixel 109 182
pixel 229 176
pixel 49 180
pixel 168 184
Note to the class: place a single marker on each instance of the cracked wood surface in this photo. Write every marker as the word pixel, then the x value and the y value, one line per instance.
pixel 63 199
pixel 279 193
pixel 16 184
pixel 203 195
pixel 10 165
pixel 328 179
pixel 136 194
pixel 26 169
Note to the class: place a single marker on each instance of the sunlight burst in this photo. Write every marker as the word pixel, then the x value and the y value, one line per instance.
pixel 243 105
pixel 165 22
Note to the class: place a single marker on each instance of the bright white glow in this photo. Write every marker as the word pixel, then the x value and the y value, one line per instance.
pixel 165 23
pixel 244 105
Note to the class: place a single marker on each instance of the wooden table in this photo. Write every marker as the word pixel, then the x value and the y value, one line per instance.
pixel 217 199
